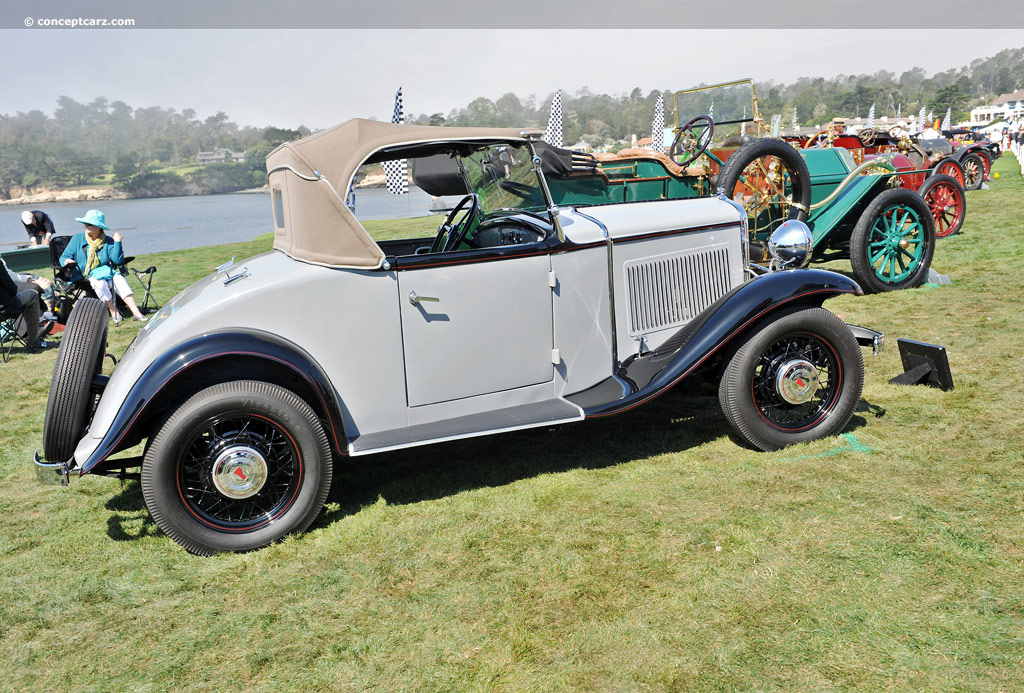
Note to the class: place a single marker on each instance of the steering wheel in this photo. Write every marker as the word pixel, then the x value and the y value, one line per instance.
pixel 818 139
pixel 896 131
pixel 867 136
pixel 694 146
pixel 453 231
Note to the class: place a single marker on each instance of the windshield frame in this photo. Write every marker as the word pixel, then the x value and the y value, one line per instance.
pixel 529 160
pixel 755 115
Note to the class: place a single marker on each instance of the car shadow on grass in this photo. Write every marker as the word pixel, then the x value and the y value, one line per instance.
pixel 675 422
pixel 129 519
pixel 672 423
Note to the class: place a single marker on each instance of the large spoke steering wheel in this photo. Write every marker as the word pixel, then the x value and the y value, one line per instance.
pixel 819 139
pixel 694 145
pixel 867 136
pixel 453 230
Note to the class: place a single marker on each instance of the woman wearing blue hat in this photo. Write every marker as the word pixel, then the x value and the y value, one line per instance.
pixel 95 257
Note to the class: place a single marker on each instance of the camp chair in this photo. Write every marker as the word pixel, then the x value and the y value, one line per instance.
pixel 12 333
pixel 146 286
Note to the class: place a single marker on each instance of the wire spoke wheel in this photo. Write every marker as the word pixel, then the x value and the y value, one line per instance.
pixel 237 466
pixel 797 377
pixel 239 472
pixel 796 381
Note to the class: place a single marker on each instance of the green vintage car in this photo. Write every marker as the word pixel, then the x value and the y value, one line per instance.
pixel 865 211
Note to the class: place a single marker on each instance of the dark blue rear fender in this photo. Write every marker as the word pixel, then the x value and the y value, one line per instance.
pixel 217 357
pixel 720 326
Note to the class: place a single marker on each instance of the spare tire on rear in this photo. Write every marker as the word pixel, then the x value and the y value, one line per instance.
pixel 79 358
pixel 750 166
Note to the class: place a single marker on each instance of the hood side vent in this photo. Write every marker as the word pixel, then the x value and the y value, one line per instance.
pixel 671 290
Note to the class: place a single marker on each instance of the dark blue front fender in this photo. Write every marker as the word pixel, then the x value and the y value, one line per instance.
pixel 186 357
pixel 700 339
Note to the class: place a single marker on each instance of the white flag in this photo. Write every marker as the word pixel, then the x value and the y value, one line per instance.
pixel 553 136
pixel 396 171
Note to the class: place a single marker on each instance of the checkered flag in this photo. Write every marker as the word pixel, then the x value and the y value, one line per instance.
pixel 658 126
pixel 871 118
pixel 945 121
pixel 920 120
pixel 396 172
pixel 553 136
pixel 796 128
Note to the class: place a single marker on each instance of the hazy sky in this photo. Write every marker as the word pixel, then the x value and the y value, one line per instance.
pixel 319 78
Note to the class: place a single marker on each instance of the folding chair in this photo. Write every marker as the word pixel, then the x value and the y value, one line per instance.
pixel 146 286
pixel 12 332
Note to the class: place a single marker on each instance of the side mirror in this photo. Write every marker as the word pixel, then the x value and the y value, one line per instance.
pixel 791 245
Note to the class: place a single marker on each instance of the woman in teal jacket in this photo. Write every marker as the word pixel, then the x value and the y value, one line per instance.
pixel 95 257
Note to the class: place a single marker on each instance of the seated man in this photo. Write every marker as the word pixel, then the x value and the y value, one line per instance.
pixel 24 303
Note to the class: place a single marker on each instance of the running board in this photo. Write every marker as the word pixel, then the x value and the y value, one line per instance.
pixel 546 413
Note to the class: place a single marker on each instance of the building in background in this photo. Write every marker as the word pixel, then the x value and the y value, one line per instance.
pixel 1005 107
pixel 220 155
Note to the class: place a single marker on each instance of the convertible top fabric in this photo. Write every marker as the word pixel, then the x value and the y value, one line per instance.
pixel 313 176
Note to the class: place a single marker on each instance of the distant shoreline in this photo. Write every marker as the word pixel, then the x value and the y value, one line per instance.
pixel 50 196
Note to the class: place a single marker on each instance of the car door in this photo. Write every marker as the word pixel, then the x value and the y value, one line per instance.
pixel 472 326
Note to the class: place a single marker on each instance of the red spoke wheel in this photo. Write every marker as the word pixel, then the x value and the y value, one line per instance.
pixel 949 167
pixel 947 202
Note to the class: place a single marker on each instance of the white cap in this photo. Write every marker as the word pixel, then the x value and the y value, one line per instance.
pixel 27 217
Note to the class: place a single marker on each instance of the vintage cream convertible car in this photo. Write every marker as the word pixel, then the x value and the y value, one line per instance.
pixel 517 314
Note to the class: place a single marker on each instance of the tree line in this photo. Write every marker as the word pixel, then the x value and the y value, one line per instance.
pixel 136 146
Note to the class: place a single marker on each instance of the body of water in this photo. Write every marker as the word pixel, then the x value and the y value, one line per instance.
pixel 173 223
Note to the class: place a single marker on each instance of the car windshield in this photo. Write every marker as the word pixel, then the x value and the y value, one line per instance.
pixel 503 177
pixel 725 103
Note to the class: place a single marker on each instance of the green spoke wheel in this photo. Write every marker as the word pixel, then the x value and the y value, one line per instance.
pixel 893 242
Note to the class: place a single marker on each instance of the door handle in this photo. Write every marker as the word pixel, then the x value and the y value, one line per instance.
pixel 414 299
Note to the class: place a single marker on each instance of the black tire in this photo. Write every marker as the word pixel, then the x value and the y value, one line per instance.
pixel 919 232
pixel 79 358
pixel 754 405
pixel 974 171
pixel 247 428
pixel 800 181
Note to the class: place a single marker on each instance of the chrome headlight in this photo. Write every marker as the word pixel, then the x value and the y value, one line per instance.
pixel 790 244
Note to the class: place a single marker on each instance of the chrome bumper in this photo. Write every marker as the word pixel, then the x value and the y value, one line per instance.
pixel 868 337
pixel 51 474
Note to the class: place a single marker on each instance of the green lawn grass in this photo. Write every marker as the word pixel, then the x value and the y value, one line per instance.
pixel 646 552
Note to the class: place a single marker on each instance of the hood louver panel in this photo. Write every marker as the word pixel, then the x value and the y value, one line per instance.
pixel 671 290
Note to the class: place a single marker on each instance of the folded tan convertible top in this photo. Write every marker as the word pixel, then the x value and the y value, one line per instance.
pixel 311 221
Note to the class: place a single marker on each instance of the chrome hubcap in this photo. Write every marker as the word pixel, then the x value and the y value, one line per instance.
pixel 239 472
pixel 796 381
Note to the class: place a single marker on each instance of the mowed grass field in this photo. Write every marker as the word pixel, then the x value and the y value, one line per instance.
pixel 649 551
